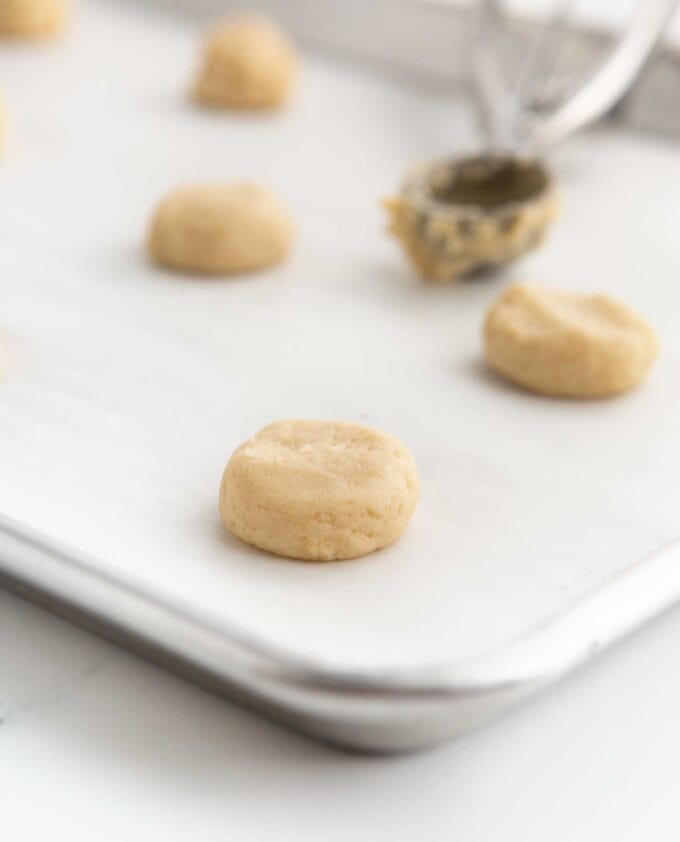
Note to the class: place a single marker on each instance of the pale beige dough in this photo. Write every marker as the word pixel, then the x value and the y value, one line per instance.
pixel 220 229
pixel 33 18
pixel 247 62
pixel 561 343
pixel 319 490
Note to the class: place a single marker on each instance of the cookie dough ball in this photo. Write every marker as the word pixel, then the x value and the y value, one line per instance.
pixel 560 343
pixel 33 18
pixel 319 490
pixel 220 229
pixel 247 63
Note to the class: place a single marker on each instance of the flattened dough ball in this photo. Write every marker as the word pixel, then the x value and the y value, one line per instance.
pixel 319 490
pixel 561 343
pixel 248 62
pixel 220 229
pixel 33 18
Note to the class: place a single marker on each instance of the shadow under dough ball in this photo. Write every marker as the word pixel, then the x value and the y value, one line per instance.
pixel 33 18
pixel 247 62
pixel 564 344
pixel 319 490
pixel 220 229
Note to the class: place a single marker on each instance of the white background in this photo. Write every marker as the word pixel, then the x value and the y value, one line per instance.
pixel 95 744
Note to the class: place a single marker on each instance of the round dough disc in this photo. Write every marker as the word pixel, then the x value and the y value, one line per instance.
pixel 319 490
pixel 33 18
pixel 560 343
pixel 220 229
pixel 247 63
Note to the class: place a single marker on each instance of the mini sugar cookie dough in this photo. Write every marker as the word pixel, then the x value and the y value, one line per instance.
pixel 33 18
pixel 561 343
pixel 248 62
pixel 456 217
pixel 319 490
pixel 220 229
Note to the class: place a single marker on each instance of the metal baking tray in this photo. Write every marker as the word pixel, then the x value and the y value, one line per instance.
pixel 127 388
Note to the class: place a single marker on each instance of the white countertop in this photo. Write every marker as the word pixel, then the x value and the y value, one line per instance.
pixel 96 744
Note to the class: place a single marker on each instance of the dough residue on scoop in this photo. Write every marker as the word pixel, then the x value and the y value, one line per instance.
pixel 455 217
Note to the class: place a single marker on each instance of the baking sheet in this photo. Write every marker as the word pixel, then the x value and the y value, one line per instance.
pixel 127 388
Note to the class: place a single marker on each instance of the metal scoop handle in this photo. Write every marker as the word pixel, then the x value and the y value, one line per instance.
pixel 534 133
